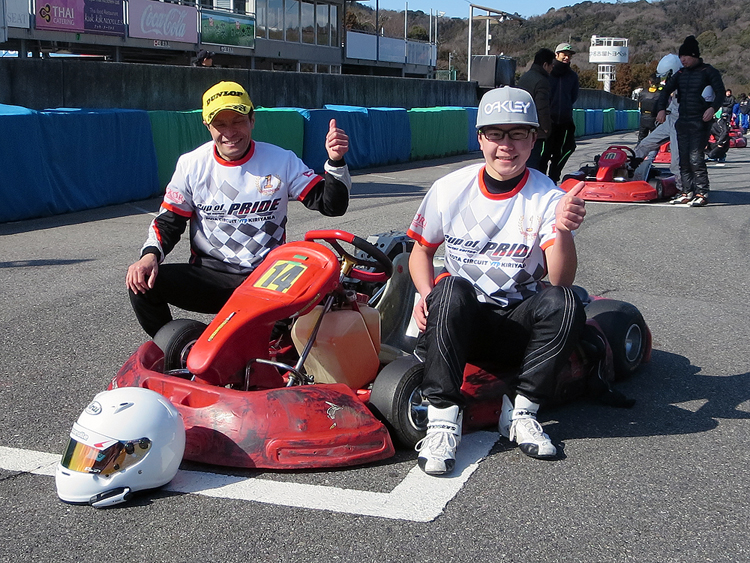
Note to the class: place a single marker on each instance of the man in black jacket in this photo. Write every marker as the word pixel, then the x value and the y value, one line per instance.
pixel 646 103
pixel 536 82
pixel 563 93
pixel 696 117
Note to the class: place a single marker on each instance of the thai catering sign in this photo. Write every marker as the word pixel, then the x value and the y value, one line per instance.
pixel 81 16
pixel 160 20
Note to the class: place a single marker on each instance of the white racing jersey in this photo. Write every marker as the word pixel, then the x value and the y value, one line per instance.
pixel 237 209
pixel 496 241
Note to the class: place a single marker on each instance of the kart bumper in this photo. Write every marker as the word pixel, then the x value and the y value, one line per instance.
pixel 311 426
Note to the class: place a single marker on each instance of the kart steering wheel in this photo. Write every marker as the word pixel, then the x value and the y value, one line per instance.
pixel 624 148
pixel 381 263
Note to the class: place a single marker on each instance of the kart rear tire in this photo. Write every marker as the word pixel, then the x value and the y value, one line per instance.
pixel 397 399
pixel 175 339
pixel 625 330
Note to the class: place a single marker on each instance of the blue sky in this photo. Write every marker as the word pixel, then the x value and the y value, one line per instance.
pixel 460 8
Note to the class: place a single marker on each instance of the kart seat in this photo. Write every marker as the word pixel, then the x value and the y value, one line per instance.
pixel 396 305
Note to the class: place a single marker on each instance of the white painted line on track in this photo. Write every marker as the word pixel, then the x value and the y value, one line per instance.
pixel 383 176
pixel 643 204
pixel 144 211
pixel 418 498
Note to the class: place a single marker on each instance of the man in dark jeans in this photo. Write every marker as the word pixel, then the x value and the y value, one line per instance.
pixel 693 127
pixel 561 140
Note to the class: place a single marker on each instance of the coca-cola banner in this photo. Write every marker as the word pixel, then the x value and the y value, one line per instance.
pixel 223 28
pixel 81 16
pixel 158 20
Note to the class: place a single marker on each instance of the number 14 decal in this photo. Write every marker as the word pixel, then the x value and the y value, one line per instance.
pixel 281 276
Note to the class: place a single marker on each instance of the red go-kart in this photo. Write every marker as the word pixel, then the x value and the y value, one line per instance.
pixel 664 154
pixel 299 371
pixel 617 176
pixel 737 138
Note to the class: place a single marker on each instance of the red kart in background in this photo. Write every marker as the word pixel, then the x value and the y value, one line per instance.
pixel 616 175
pixel 300 370
pixel 737 138
pixel 664 154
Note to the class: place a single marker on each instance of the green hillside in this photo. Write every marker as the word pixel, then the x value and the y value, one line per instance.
pixel 653 29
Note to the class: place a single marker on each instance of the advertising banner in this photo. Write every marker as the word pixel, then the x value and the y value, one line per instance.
pixel 104 17
pixel 17 13
pixel 162 21
pixel 611 55
pixel 81 16
pixel 223 28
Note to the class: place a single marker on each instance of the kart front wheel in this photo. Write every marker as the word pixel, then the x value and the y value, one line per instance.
pixel 626 332
pixel 397 399
pixel 176 339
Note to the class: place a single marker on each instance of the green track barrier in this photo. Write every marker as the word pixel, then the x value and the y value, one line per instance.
pixel 609 120
pixel 579 118
pixel 175 133
pixel 437 132
pixel 283 127
pixel 634 118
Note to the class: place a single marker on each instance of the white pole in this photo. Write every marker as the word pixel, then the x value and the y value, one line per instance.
pixel 468 62
pixel 487 35
pixel 406 16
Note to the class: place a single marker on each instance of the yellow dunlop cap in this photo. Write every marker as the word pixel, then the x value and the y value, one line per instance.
pixel 225 95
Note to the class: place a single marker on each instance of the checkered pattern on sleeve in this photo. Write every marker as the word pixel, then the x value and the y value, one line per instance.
pixel 496 242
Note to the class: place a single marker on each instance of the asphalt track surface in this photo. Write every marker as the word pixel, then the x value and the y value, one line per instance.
pixel 664 481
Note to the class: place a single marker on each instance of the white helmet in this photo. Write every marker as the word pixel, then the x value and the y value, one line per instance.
pixel 668 65
pixel 127 439
pixel 507 106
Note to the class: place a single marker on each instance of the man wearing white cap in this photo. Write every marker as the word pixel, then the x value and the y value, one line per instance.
pixel 234 192
pixel 505 228
pixel 561 141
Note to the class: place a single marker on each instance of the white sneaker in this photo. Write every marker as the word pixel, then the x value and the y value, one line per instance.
pixel 528 434
pixel 506 417
pixel 437 450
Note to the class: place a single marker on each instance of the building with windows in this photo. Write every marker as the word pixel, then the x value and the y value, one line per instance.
pixel 289 35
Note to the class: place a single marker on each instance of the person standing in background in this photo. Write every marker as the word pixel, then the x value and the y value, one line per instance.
pixel 536 82
pixel 696 118
pixel 561 141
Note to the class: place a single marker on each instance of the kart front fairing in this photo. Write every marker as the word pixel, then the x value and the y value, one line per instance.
pixel 617 177
pixel 322 425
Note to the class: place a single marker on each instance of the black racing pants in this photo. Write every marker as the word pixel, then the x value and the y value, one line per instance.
pixel 692 137
pixel 560 144
pixel 537 336
pixel 535 157
pixel 193 288
pixel 647 124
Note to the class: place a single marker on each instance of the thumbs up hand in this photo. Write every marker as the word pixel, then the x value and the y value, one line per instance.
pixel 570 210
pixel 337 142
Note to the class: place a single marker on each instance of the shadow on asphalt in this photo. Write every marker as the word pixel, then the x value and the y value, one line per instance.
pixel 78 217
pixel 672 397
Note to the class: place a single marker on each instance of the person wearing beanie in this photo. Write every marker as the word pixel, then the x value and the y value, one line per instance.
pixel 234 192
pixel 700 94
pixel 492 307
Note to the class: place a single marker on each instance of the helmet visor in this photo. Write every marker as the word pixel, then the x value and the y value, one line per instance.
pixel 104 458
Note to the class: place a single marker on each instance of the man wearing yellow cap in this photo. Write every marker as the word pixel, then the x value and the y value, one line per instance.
pixel 234 191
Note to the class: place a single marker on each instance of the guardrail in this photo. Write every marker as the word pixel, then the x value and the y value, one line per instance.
pixel 136 151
